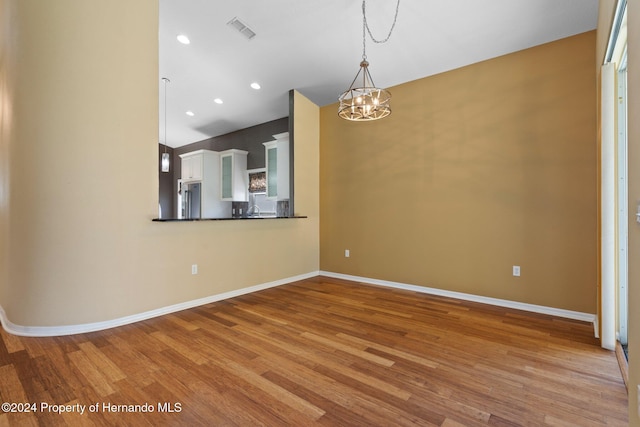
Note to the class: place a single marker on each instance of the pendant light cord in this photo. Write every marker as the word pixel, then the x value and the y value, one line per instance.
pixel 166 80
pixel 366 29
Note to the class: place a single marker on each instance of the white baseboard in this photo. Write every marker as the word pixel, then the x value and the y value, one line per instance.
pixel 568 314
pixel 51 331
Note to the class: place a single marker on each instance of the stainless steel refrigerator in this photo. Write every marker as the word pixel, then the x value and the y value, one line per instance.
pixel 189 200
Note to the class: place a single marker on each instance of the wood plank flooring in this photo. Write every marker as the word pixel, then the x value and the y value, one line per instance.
pixel 319 352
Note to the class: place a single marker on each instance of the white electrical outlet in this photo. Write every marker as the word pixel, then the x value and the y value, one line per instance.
pixel 194 269
pixel 347 254
pixel 639 400
pixel 516 270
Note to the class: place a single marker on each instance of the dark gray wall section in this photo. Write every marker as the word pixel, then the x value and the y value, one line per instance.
pixel 249 139
pixel 166 197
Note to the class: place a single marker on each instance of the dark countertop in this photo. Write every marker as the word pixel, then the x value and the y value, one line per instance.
pixel 226 219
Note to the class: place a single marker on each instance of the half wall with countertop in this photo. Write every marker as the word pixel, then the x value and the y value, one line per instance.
pixel 82 188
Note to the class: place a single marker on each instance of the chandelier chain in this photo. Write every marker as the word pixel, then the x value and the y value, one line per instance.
pixel 366 24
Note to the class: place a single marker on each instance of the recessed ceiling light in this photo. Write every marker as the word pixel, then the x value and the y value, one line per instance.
pixel 255 85
pixel 183 39
pixel 218 101
pixel 190 113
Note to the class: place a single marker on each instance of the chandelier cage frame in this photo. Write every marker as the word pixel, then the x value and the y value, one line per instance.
pixel 366 102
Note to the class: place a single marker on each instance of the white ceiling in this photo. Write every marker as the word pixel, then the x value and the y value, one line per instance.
pixel 315 47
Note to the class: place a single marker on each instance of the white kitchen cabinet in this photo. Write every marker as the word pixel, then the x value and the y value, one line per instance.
pixel 277 166
pixel 192 165
pixel 233 175
pixel 271 158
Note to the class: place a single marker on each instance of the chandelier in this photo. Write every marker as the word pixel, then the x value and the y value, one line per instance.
pixel 363 101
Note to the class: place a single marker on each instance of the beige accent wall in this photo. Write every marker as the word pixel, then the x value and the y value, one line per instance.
pixel 606 12
pixel 7 75
pixel 83 182
pixel 475 171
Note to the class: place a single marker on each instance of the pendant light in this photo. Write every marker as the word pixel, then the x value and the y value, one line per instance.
pixel 165 156
pixel 363 101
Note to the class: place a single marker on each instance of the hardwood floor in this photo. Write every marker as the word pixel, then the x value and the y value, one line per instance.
pixel 320 352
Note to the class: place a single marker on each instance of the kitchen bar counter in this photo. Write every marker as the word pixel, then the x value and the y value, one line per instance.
pixel 226 219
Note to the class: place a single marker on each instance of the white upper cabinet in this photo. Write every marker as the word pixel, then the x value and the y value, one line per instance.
pixel 192 165
pixel 233 175
pixel 277 166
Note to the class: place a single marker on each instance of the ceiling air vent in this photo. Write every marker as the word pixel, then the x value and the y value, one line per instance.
pixel 242 28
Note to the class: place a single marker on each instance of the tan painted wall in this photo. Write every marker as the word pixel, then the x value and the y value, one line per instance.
pixel 306 126
pixel 476 170
pixel 82 245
